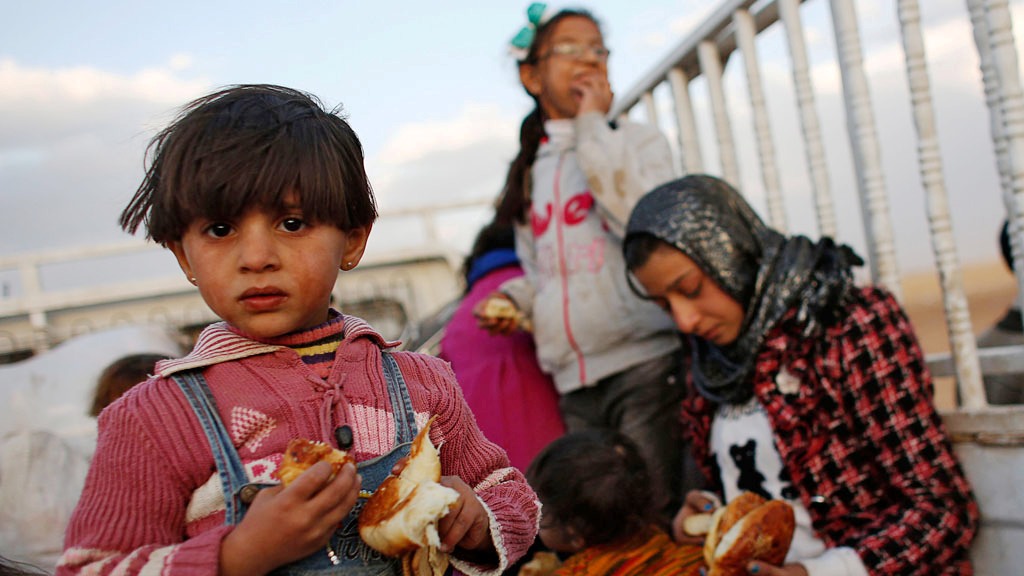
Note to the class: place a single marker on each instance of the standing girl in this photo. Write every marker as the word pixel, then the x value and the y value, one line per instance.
pixel 261 195
pixel 613 357
pixel 808 388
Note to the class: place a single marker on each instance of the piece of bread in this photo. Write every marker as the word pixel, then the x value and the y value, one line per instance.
pixel 400 518
pixel 302 453
pixel 542 564
pixel 698 524
pixel 500 308
pixel 505 308
pixel 748 528
pixel 724 517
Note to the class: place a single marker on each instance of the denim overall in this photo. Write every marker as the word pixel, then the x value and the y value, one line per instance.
pixel 346 552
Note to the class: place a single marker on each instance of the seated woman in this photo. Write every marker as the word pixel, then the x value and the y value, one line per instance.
pixel 808 388
pixel 598 510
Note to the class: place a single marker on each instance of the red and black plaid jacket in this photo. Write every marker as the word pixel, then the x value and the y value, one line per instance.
pixel 862 440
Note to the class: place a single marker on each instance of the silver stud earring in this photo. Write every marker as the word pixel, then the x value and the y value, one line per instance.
pixel 193 280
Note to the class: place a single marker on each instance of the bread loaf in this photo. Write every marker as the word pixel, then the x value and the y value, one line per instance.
pixel 400 518
pixel 302 453
pixel 748 528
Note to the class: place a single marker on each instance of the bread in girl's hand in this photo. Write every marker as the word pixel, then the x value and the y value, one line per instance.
pixel 302 453
pixel 748 528
pixel 503 308
pixel 400 519
pixel 542 564
pixel 698 524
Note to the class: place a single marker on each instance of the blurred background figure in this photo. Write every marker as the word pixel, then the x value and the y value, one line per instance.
pixel 515 402
pixel 41 478
pixel 121 375
pixel 12 568
pixel 48 408
pixel 1008 331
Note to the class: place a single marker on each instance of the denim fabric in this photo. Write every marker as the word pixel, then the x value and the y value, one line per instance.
pixel 351 556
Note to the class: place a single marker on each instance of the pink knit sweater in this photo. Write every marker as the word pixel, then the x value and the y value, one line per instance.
pixel 152 502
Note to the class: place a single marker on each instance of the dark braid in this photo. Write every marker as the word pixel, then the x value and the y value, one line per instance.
pixel 515 197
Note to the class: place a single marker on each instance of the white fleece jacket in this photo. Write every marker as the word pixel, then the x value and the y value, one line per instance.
pixel 586 179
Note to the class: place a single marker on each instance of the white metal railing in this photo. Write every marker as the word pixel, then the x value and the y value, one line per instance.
pixel 988 439
pixel 37 303
pixel 733 27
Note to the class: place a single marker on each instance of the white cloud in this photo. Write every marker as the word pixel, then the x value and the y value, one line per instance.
pixel 476 123
pixel 84 84
pixel 180 62
pixel 442 151
pixel 74 137
pixel 685 25
pixel 654 41
pixel 438 162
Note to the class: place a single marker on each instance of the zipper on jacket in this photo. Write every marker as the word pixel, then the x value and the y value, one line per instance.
pixel 563 267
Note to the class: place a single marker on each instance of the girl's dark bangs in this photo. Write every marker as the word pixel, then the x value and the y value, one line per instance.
pixel 260 172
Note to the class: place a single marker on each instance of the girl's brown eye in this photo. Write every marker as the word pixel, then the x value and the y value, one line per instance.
pixel 293 224
pixel 219 230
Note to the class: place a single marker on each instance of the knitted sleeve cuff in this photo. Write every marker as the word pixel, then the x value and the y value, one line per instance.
pixel 198 555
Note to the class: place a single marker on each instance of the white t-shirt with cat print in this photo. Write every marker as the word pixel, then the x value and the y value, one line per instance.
pixel 743 448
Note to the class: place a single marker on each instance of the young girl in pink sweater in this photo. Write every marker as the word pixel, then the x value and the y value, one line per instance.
pixel 261 195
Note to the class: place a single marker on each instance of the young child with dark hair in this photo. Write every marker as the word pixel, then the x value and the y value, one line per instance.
pixel 261 195
pixel 614 358
pixel 599 511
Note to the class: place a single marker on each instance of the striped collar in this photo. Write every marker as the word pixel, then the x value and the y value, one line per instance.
pixel 219 343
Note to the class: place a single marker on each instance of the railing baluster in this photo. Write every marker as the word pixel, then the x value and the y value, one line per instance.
pixel 745 33
pixel 958 319
pixel 689 143
pixel 711 66
pixel 993 33
pixel 866 154
pixel 789 11
pixel 650 108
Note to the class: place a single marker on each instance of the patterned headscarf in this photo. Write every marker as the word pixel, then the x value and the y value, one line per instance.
pixel 766 272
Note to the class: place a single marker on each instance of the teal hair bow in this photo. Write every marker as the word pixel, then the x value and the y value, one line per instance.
pixel 524 38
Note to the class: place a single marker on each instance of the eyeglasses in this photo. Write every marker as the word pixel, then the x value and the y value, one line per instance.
pixel 578 51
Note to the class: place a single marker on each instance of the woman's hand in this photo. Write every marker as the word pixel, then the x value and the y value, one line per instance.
pixel 286 524
pixel 697 502
pixel 505 323
pixel 466 525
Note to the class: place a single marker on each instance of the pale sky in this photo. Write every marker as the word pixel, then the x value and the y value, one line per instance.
pixel 431 91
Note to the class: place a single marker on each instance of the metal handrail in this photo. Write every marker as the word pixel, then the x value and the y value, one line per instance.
pixel 36 303
pixel 731 28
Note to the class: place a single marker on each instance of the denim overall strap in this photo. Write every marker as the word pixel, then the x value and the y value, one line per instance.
pixel 405 416
pixel 229 464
